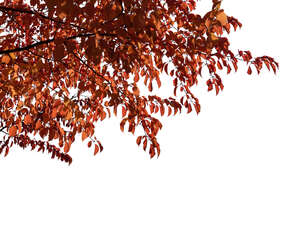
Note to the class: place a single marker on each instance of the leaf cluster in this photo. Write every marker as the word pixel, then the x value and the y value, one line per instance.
pixel 66 65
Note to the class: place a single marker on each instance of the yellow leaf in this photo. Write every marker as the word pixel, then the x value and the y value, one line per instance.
pixel 217 7
pixel 213 37
pixel 12 55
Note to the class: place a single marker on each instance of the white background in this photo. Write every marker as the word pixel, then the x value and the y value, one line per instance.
pixel 237 162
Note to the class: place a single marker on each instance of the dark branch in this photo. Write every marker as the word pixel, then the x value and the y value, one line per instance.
pixel 2 130
pixel 49 41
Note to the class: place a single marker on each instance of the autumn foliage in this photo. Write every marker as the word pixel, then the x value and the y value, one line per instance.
pixel 66 64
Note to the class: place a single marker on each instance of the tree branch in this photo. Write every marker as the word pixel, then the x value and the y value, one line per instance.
pixel 7 9
pixel 51 40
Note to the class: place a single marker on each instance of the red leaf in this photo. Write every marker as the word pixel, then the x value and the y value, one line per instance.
pixel 96 149
pixel 145 144
pixel 249 70
pixel 6 151
pixel 136 77
pixel 123 111
pixel 162 110
pixel 152 152
pixel 189 108
pixel 217 89
pixel 138 140
pixel 169 110
pixel 273 67
pixel 122 124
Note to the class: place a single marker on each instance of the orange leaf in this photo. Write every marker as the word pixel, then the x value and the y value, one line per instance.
pixel 158 81
pixel 222 18
pixel 136 90
pixel 69 115
pixel 67 147
pixel 5 59
pixel 84 135
pixel 122 124
pixel 19 126
pixel 13 131
pixel 130 50
pixel 28 119
pixel 102 115
pixel 213 37
pixel 38 125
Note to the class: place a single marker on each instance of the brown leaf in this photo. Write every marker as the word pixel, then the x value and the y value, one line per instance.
pixel 59 52
pixel 62 15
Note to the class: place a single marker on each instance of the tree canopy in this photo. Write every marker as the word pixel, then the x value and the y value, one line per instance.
pixel 66 64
